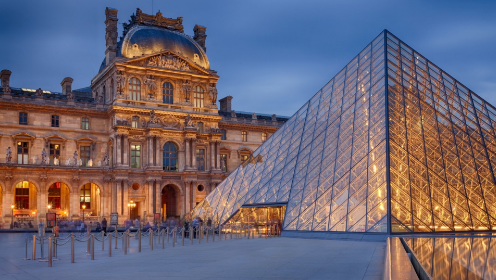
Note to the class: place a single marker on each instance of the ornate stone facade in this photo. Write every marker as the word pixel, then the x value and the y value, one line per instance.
pixel 148 129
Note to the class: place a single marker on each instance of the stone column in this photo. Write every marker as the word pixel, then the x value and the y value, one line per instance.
pixel 158 150
pixel 150 151
pixel 188 196
pixel 7 201
pixel 126 150
pixel 187 154
pixel 194 188
pixel 212 156
pixel 193 154
pixel 113 197
pixel 126 200
pixel 217 155
pixel 118 150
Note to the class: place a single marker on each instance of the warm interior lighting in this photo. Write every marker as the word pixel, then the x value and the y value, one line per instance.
pixel 84 206
pixel 12 206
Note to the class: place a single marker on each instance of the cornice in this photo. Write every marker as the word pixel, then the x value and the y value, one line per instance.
pixel 33 107
pixel 245 126
pixel 134 110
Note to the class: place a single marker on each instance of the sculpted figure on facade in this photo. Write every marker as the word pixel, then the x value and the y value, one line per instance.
pixel 233 114
pixel 44 157
pixel 188 122
pixel 152 87
pixel 171 122
pixel 70 96
pixel 186 90
pixel 153 117
pixel 106 159
pixel 120 80
pixel 6 88
pixel 168 62
pixel 75 158
pixel 8 155
pixel 212 92
pixel 39 92
pixel 99 98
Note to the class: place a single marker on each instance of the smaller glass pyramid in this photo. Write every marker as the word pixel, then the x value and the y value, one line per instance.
pixel 391 144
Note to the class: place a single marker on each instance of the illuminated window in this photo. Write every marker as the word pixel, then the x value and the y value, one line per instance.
pixel 85 196
pixel 22 152
pixel 200 159
pixel 22 195
pixel 84 155
pixel 264 136
pixel 170 157
pixel 244 136
pixel 135 156
pixel 54 152
pixel 198 95
pixel 23 118
pixel 135 122
pixel 167 93
pixel 223 137
pixel 85 123
pixel 244 158
pixel 55 121
pixel 199 126
pixel 54 195
pixel 134 89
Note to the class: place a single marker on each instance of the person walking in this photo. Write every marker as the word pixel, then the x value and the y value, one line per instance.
pixel 104 226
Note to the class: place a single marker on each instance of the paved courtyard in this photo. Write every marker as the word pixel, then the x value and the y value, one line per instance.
pixel 273 258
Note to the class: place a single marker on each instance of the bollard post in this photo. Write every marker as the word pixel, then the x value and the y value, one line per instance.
pixel 163 238
pixel 34 247
pixel 116 236
pixel 220 232
pixel 26 258
pixel 182 236
pixel 206 239
pixel 49 252
pixel 103 241
pixel 72 247
pixel 167 234
pixel 41 248
pixel 191 235
pixel 110 244
pixel 139 241
pixel 198 235
pixel 124 237
pixel 128 239
pixel 151 239
pixel 93 247
pixel 174 237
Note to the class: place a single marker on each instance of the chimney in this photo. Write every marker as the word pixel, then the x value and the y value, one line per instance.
pixel 66 85
pixel 225 104
pixel 5 77
pixel 110 34
pixel 200 36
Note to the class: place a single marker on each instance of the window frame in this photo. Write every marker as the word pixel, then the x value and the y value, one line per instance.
pixel 21 198
pixel 55 121
pixel 198 97
pixel 200 158
pixel 244 136
pixel 25 152
pixel 135 154
pixel 264 137
pixel 23 118
pixel 82 194
pixel 168 93
pixel 85 120
pixel 87 150
pixel 134 94
pixel 167 159
pixel 135 121
pixel 200 127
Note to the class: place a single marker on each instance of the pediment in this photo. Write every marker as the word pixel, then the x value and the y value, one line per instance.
pixel 170 61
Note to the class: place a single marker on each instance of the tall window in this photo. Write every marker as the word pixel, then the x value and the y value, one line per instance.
pixel 244 158
pixel 22 152
pixel 22 195
pixel 223 162
pixel 85 123
pixel 223 136
pixel 198 94
pixel 54 195
pixel 167 92
pixel 244 136
pixel 55 121
pixel 54 152
pixel 135 156
pixel 85 196
pixel 23 118
pixel 135 122
pixel 200 159
pixel 134 89
pixel 170 157
pixel 264 136
pixel 199 126
pixel 84 154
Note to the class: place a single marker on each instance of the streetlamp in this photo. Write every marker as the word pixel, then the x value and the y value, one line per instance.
pixel 84 207
pixel 131 205
pixel 49 207
pixel 12 221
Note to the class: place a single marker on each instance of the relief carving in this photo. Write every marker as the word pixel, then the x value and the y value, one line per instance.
pixel 171 122
pixel 152 87
pixel 186 90
pixel 212 93
pixel 168 62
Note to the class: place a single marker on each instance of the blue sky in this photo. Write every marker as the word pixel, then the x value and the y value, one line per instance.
pixel 271 56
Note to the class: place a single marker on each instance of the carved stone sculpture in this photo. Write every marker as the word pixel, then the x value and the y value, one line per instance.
pixel 254 116
pixel 68 161
pixel 90 163
pixel 188 121
pixel 39 92
pixel 120 80
pixel 56 161
pixel 106 159
pixel 186 90
pixel 152 86
pixel 8 156
pixel 75 158
pixel 212 92
pixel 70 96
pixel 153 117
pixel 79 162
pixel 222 164
pixel 171 122
pixel 274 118
pixel 44 157
pixel 168 62
pixel 99 98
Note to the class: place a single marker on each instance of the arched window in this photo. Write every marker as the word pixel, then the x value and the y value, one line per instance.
pixel 198 94
pixel 167 93
pixel 134 89
pixel 199 125
pixel 170 157
pixel 244 136
pixel 85 196
pixel 22 195
pixel 135 122
pixel 54 195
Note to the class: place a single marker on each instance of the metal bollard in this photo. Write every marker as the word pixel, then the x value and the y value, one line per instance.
pixel 34 247
pixel 49 252
pixel 93 247
pixel 110 244
pixel 139 241
pixel 116 236
pixel 198 235
pixel 191 235
pixel 167 235
pixel 41 248
pixel 151 239
pixel 220 233
pixel 163 238
pixel 103 241
pixel 26 258
pixel 124 237
pixel 128 239
pixel 182 236
pixel 72 247
pixel 174 237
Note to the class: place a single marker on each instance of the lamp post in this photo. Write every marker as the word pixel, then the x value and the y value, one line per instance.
pixel 12 220
pixel 131 205
pixel 84 207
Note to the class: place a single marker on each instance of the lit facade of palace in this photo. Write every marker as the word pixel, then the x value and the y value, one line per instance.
pixel 147 130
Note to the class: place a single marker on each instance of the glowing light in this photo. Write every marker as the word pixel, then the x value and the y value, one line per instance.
pixel 379 193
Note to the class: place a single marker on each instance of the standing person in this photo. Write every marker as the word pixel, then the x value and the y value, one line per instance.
pixel 104 226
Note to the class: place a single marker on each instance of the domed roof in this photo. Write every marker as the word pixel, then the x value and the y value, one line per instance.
pixel 143 40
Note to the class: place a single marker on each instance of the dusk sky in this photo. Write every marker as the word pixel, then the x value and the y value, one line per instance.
pixel 271 56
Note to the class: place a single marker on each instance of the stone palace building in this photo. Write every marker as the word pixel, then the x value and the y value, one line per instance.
pixel 147 130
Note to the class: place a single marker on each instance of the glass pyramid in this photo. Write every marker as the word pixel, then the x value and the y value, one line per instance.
pixel 391 144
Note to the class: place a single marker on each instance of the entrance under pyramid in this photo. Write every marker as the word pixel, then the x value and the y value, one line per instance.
pixel 391 144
